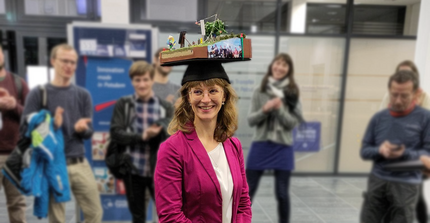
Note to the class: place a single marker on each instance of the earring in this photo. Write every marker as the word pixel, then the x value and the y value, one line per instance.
pixel 222 103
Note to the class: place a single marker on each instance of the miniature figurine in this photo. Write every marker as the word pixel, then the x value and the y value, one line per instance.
pixel 182 38
pixel 171 43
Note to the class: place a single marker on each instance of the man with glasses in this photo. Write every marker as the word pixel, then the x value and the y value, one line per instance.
pixel 398 133
pixel 13 91
pixel 71 106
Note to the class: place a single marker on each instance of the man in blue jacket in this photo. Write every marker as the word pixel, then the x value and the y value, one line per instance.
pixel 398 133
pixel 72 109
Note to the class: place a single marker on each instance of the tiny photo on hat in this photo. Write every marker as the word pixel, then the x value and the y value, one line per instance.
pixel 226 49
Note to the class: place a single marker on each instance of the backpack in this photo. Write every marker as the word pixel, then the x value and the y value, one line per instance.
pixel 15 162
pixel 117 161
pixel 18 85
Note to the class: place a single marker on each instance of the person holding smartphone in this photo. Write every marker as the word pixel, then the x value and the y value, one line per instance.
pixel 398 133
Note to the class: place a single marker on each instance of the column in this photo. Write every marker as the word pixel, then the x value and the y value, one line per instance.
pixel 115 11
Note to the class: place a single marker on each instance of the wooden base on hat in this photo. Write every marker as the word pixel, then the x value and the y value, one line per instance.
pixel 181 56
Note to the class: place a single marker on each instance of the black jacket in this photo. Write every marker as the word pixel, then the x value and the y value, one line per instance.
pixel 122 135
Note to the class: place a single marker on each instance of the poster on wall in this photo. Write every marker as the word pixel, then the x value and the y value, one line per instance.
pixel 99 143
pixel 105 181
pixel 307 137
pixel 105 56
pixel 107 80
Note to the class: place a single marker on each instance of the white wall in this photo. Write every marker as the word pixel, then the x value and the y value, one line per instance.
pixel 411 20
pixel 298 16
pixel 115 12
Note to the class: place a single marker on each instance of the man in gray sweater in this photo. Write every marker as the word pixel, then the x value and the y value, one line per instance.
pixel 399 133
pixel 72 109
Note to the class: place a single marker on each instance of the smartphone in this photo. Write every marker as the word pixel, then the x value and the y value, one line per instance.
pixel 397 148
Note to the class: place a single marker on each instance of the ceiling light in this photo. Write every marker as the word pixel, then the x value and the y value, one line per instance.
pixel 253 28
pixel 333 6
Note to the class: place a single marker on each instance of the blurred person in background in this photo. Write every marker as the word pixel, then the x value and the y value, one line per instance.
pixel 162 87
pixel 275 111
pixel 422 99
pixel 13 91
pixel 72 111
pixel 200 174
pixel 148 117
pixel 398 133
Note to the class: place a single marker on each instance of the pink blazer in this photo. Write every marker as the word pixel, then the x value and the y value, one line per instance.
pixel 186 185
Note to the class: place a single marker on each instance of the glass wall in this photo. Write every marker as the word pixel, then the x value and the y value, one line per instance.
pixel 318 68
pixel 371 62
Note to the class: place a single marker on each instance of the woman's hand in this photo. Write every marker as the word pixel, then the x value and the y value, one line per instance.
pixel 268 107
pixel 277 103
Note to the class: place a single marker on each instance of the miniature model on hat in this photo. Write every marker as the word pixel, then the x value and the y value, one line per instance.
pixel 215 45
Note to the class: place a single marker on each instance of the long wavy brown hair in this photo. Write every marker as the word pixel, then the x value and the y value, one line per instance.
pixel 227 121
pixel 290 75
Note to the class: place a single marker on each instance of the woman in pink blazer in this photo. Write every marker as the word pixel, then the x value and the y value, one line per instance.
pixel 200 175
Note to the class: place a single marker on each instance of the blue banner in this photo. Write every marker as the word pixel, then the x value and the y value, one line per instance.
pixel 307 137
pixel 107 79
pixel 105 56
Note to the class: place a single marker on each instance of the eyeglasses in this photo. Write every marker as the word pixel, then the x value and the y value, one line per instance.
pixel 66 61
pixel 198 94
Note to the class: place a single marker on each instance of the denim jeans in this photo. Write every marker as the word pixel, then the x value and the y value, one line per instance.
pixel 282 184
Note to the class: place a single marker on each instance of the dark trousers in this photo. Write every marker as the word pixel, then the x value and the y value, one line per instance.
pixel 135 191
pixel 421 209
pixel 282 184
pixel 387 197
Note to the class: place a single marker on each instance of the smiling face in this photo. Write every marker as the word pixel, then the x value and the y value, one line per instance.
pixel 65 63
pixel 143 85
pixel 280 69
pixel 206 101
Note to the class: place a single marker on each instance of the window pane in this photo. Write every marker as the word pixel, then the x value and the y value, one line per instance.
pixel 72 8
pixel 326 18
pixel 317 67
pixel 245 16
pixel 371 63
pixel 386 18
pixel 31 49
pixel 168 10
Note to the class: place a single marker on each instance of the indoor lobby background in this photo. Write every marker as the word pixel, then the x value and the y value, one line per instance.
pixel 343 50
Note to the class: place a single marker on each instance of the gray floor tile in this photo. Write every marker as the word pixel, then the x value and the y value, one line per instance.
pixel 313 200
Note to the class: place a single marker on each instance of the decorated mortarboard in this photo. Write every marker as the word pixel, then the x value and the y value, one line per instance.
pixel 204 70
pixel 205 57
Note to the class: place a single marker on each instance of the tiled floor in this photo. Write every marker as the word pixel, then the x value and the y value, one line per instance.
pixel 313 200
